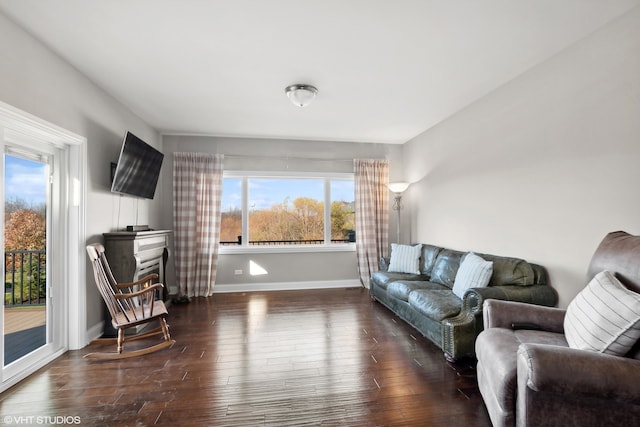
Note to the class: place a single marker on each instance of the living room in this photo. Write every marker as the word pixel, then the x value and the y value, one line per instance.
pixel 539 165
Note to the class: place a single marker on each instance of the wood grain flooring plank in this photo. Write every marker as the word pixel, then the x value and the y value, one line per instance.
pixel 293 358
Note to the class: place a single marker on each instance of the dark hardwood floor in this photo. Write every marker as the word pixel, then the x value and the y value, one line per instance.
pixel 294 358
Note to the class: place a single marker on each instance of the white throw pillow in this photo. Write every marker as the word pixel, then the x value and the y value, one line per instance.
pixel 405 259
pixel 603 317
pixel 474 272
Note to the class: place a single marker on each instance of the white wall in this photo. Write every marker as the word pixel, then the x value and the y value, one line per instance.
pixel 34 79
pixel 284 269
pixel 543 167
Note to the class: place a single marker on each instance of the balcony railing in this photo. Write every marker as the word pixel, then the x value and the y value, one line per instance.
pixel 25 277
pixel 283 242
pixel 351 238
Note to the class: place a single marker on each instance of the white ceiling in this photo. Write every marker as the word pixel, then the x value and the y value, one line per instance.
pixel 386 70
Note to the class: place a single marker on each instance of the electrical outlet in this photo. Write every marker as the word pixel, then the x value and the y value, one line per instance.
pixel 237 272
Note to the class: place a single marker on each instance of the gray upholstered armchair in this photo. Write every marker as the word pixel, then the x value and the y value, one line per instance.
pixel 528 374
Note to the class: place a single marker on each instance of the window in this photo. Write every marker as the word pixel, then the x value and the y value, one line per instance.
pixel 284 210
pixel 231 218
pixel 343 211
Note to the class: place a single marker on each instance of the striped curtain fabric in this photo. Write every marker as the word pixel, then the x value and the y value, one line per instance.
pixel 372 214
pixel 197 193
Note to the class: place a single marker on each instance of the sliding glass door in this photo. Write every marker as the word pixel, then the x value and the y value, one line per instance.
pixel 43 168
pixel 26 278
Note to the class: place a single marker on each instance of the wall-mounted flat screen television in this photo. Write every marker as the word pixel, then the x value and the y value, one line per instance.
pixel 138 168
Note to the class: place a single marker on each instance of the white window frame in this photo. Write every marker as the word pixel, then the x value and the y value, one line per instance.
pixel 327 246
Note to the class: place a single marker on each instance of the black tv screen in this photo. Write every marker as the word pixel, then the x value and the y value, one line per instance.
pixel 138 168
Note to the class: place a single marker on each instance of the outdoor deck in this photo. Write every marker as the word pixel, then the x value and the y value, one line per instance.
pixel 24 317
pixel 24 331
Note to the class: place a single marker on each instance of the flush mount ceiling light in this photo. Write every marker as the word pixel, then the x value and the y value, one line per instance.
pixel 301 95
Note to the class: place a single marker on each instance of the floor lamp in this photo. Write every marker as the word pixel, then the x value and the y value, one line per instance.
pixel 398 188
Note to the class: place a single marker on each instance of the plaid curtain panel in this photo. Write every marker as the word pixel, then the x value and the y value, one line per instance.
pixel 372 215
pixel 197 194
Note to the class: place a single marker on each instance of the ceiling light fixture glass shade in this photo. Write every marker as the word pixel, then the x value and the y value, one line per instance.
pixel 301 95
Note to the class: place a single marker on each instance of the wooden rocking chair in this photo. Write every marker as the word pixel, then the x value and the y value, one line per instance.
pixel 130 304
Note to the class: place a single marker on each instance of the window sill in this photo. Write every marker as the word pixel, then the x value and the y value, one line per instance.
pixel 287 249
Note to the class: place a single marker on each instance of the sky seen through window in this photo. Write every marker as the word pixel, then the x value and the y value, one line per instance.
pixel 24 180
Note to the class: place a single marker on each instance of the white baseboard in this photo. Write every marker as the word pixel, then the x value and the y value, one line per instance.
pixel 285 286
pixel 94 332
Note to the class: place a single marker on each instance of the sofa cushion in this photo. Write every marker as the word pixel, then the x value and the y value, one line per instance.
pixel 428 258
pixel 383 278
pixel 405 259
pixel 604 317
pixel 445 267
pixel 474 272
pixel 401 289
pixel 435 304
pixel 510 271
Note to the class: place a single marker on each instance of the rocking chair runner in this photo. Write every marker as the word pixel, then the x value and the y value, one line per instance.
pixel 130 304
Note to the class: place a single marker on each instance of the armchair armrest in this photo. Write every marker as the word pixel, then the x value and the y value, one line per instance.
pixel 578 373
pixel 503 314
pixel 141 281
pixel 143 291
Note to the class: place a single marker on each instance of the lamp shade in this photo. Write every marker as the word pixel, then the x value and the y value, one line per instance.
pixel 301 95
pixel 398 187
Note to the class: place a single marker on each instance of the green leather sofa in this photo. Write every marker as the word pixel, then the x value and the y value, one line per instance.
pixel 426 300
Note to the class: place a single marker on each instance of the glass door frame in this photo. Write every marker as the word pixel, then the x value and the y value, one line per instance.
pixel 68 314
pixel 49 157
